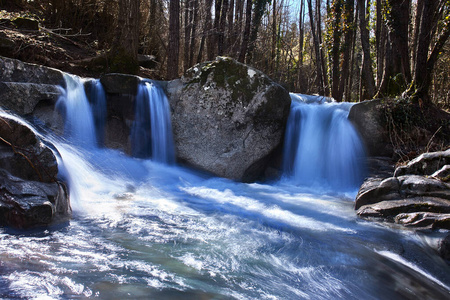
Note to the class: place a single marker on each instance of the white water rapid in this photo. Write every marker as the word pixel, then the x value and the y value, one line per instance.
pixel 146 230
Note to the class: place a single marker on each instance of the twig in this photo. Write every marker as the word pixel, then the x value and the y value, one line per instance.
pixel 431 139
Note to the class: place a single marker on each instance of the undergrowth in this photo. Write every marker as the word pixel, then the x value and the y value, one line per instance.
pixel 414 128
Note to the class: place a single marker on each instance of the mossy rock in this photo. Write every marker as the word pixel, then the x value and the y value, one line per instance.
pixel 228 118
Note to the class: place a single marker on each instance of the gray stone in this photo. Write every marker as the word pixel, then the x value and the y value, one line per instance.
pixel 227 118
pixel 30 195
pixel 12 70
pixel 425 164
pixel 23 98
pixel 414 185
pixel 444 247
pixel 376 190
pixel 389 209
pixel 366 117
pixel 424 220
pixel 25 204
pixel 23 154
pixel 115 83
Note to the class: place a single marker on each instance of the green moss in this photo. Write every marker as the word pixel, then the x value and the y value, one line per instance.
pixel 227 74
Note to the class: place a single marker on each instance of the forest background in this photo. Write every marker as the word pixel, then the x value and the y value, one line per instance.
pixel 348 49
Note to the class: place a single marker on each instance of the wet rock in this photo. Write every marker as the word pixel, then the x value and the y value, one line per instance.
pixel 25 204
pixel 23 154
pixel 228 118
pixel 444 247
pixel 376 190
pixel 395 209
pixel 424 220
pixel 30 195
pixel 366 117
pixel 410 200
pixel 425 164
pixel 115 83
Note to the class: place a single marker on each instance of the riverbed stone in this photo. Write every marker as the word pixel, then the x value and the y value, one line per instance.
pixel 30 194
pixel 419 199
pixel 425 164
pixel 227 118
pixel 444 247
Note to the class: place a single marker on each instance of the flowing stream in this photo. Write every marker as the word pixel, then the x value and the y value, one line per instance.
pixel 145 229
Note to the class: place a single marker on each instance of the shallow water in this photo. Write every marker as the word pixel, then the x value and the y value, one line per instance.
pixel 144 230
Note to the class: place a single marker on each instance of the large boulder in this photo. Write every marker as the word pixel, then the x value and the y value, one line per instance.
pixel 13 70
pixel 31 90
pixel 228 118
pixel 30 195
pixel 367 118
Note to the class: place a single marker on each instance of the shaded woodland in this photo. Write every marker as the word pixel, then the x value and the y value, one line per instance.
pixel 348 49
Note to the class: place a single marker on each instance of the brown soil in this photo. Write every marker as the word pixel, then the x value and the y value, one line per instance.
pixel 72 53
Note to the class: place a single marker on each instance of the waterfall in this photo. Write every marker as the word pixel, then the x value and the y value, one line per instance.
pixel 151 134
pixel 321 146
pixel 75 107
pixel 97 98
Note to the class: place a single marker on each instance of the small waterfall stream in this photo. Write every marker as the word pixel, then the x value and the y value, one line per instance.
pixel 151 134
pixel 146 230
pixel 321 146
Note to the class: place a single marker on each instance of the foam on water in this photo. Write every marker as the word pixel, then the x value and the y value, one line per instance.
pixel 142 229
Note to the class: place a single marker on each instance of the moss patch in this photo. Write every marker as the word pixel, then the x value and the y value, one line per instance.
pixel 228 74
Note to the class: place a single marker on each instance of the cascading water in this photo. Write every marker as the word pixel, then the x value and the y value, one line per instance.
pixel 147 230
pixel 151 134
pixel 97 98
pixel 321 146
pixel 74 105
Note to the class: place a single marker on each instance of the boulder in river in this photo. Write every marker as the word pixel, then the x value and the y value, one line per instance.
pixel 30 194
pixel 227 118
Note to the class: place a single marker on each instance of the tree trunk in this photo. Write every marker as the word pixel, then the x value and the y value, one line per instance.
pixel 221 42
pixel 210 31
pixel 173 51
pixel 336 12
pixel 349 10
pixel 274 37
pixel 124 50
pixel 230 24
pixel 321 52
pixel 419 9
pixel 187 32
pixel 424 64
pixel 366 68
pixel 316 50
pixel 246 33
pixel 194 32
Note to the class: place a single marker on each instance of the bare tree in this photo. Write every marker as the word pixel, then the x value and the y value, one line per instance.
pixel 173 51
